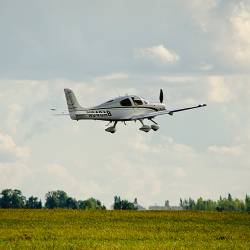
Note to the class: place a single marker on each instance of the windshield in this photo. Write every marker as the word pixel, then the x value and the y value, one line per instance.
pixel 126 102
pixel 137 101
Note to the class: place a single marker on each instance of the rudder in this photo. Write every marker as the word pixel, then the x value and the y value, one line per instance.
pixel 73 104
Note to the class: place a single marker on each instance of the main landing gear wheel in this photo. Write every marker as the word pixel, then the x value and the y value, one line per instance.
pixel 111 129
pixel 145 128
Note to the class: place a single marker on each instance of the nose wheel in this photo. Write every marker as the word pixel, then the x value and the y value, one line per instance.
pixel 155 127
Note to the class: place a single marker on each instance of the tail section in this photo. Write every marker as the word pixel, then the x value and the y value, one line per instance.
pixel 72 103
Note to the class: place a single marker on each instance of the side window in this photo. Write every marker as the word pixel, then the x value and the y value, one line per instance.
pixel 126 102
pixel 137 101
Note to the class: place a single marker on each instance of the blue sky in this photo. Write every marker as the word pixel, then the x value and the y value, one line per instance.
pixel 197 51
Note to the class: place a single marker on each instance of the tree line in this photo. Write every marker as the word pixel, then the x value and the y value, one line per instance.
pixel 120 204
pixel 223 204
pixel 54 199
pixel 13 198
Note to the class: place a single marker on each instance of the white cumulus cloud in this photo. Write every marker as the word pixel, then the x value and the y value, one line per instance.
pixel 158 53
pixel 226 150
pixel 111 77
pixel 14 114
pixel 10 151
pixel 240 22
pixel 220 91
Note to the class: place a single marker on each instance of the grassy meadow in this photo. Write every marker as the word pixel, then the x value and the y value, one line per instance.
pixel 76 229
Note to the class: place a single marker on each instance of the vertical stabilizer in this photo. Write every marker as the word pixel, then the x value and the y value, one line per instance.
pixel 72 103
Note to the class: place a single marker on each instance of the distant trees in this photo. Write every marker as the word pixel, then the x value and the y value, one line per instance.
pixel 33 202
pixel 71 203
pixel 91 204
pixel 230 204
pixel 14 199
pixel 124 204
pixel 54 199
pixel 247 203
pixel 223 204
pixel 59 199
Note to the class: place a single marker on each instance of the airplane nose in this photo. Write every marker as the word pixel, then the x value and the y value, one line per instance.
pixel 162 107
pixel 159 106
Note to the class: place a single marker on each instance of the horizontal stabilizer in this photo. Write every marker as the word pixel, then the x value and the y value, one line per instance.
pixel 60 113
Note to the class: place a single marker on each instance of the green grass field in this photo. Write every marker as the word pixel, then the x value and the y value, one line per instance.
pixel 69 229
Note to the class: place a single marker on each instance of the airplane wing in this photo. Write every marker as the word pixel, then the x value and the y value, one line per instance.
pixel 164 112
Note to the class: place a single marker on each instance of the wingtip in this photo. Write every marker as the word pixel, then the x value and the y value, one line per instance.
pixel 202 105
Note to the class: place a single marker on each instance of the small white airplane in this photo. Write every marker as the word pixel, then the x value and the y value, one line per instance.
pixel 121 109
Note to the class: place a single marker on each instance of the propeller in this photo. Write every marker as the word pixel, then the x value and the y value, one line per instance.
pixel 161 96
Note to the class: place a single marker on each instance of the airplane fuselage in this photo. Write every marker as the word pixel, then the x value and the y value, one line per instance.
pixel 114 110
pixel 111 114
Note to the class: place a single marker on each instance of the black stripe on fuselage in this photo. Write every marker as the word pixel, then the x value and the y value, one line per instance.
pixel 155 109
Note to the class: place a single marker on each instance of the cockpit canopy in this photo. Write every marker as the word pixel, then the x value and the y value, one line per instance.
pixel 137 100
pixel 133 101
pixel 126 102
